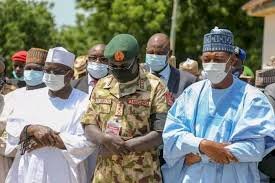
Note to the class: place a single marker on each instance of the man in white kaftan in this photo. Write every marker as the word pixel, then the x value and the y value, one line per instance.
pixel 46 123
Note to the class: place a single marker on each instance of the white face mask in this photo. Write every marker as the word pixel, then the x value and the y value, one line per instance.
pixel 97 70
pixel 215 72
pixel 54 82
pixel 156 62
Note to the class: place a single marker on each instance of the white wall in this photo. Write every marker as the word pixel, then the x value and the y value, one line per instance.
pixel 269 38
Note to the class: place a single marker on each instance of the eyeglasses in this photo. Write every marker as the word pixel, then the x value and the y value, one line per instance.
pixel 219 60
pixel 100 59
pixel 56 72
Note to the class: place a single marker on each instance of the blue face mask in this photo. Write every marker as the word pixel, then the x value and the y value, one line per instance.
pixel 156 62
pixel 33 77
pixel 16 77
pixel 97 70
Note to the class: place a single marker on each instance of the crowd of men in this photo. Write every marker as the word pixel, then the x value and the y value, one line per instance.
pixel 110 118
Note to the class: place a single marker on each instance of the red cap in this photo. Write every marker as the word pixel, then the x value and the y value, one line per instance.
pixel 19 56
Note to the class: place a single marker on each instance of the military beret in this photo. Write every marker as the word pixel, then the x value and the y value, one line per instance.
pixel 122 47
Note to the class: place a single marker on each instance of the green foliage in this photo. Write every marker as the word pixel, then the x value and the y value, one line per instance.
pixel 142 18
pixel 24 25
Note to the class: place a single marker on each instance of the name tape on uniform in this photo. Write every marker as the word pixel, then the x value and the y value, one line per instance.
pixel 139 102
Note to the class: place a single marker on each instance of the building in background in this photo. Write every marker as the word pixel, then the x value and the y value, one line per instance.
pixel 266 9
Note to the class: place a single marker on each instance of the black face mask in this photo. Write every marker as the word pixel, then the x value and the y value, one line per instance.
pixel 124 75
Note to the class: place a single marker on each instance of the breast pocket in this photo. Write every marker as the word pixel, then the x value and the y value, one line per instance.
pixel 103 105
pixel 104 108
pixel 139 107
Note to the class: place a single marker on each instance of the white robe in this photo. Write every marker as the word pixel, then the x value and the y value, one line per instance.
pixel 49 164
pixel 5 162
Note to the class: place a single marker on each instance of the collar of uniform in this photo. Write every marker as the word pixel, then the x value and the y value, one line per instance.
pixel 109 82
pixel 142 78
pixel 123 89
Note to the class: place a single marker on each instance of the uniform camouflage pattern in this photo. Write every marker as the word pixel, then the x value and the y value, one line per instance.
pixel 132 103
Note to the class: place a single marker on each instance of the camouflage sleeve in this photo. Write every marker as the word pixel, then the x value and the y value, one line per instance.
pixel 90 117
pixel 159 108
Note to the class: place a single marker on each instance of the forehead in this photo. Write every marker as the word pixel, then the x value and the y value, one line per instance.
pixel 158 43
pixel 18 63
pixel 215 54
pixel 33 65
pixel 99 50
pixel 55 66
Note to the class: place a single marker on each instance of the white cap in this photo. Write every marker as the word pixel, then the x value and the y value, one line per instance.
pixel 60 55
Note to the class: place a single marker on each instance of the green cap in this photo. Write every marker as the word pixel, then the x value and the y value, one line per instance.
pixel 121 48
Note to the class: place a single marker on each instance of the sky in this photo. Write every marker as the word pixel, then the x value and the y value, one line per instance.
pixel 63 11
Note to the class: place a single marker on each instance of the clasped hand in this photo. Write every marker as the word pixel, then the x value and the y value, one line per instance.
pixel 215 151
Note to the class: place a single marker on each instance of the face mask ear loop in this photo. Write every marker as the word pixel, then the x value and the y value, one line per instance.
pixel 230 64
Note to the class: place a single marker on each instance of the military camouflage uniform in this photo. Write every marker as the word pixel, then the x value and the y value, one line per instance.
pixel 132 103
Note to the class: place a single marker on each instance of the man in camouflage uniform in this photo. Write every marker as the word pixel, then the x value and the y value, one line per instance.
pixel 126 117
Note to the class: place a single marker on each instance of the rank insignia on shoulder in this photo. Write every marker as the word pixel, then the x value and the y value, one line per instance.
pixel 169 98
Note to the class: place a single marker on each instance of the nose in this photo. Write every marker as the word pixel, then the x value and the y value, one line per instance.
pixel 97 60
pixel 17 68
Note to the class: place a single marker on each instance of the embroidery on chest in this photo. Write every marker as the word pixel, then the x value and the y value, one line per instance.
pixel 103 101
pixel 138 102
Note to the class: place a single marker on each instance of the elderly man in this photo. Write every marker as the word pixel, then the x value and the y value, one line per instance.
pixel 157 55
pixel 126 117
pixel 219 128
pixel 97 68
pixel 52 145
pixel 33 73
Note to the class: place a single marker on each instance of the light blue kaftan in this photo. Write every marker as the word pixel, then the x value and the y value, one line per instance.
pixel 240 115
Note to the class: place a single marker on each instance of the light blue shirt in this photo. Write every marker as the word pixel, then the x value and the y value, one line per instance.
pixel 165 74
pixel 91 87
pixel 240 115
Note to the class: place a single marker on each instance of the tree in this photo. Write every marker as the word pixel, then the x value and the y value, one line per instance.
pixel 142 18
pixel 25 24
pixel 138 17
